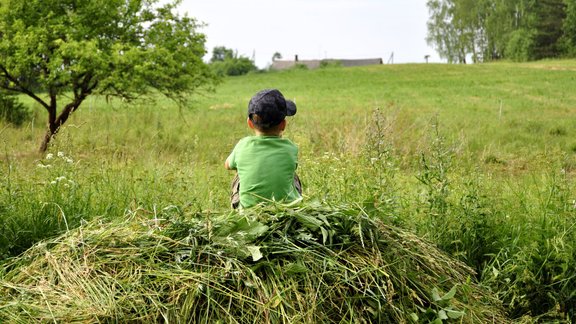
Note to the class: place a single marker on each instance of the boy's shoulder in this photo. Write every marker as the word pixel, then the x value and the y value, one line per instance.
pixel 265 141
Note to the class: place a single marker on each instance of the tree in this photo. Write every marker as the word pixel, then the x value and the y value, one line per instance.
pixel 221 53
pixel 58 52
pixel 276 56
pixel 569 36
pixel 225 61
pixel 549 25
pixel 492 29
pixel 447 31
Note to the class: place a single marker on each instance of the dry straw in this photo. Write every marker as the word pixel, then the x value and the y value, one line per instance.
pixel 311 264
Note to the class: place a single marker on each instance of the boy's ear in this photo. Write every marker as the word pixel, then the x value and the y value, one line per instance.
pixel 283 125
pixel 250 123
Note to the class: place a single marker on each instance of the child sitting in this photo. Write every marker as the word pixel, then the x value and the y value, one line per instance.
pixel 266 162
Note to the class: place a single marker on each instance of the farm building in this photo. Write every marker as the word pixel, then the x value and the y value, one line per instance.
pixel 313 64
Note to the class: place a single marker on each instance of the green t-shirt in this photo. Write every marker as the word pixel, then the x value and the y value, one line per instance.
pixel 266 167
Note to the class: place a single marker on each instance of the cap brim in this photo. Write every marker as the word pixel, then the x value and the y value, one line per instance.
pixel 290 108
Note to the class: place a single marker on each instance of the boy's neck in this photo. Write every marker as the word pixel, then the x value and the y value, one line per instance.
pixel 260 133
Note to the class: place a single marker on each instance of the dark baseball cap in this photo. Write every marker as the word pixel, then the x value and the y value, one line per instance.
pixel 271 106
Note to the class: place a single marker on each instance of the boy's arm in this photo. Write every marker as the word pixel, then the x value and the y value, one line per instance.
pixel 227 164
pixel 230 163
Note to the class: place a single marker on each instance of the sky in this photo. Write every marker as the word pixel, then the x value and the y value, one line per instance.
pixel 394 30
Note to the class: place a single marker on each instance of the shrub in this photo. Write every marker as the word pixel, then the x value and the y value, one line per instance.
pixel 519 47
pixel 233 66
pixel 12 111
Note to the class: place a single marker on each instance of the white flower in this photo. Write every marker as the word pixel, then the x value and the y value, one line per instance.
pixel 60 154
pixel 69 160
pixel 60 178
pixel 44 166
pixel 49 156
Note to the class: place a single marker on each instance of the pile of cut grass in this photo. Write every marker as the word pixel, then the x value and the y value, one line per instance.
pixel 306 264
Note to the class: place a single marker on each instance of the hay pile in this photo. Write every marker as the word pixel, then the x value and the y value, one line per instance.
pixel 305 265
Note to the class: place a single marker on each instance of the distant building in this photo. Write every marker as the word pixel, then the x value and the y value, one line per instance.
pixel 313 64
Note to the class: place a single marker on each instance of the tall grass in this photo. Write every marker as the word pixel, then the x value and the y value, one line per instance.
pixel 478 159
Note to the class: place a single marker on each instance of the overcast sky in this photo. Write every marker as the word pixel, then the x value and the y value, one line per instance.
pixel 316 29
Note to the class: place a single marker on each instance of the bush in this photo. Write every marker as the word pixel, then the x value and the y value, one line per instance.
pixel 12 111
pixel 233 66
pixel 330 64
pixel 520 46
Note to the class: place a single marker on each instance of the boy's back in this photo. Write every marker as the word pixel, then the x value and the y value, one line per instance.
pixel 266 163
pixel 266 166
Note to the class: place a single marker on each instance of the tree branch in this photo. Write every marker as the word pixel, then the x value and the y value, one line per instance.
pixel 20 88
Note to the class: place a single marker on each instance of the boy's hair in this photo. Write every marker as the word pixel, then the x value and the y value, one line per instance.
pixel 258 123
pixel 268 108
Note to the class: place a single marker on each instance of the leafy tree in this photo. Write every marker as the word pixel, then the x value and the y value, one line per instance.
pixel 58 52
pixel 569 29
pixel 447 31
pixel 225 61
pixel 276 56
pixel 520 45
pixel 221 53
pixel 549 28
pixel 492 29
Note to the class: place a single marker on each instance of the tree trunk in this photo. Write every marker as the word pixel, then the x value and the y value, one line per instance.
pixel 54 123
pixel 50 132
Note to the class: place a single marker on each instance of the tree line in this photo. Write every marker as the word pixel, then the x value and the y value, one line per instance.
pixel 488 30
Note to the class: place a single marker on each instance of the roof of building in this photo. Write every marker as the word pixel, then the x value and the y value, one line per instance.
pixel 313 64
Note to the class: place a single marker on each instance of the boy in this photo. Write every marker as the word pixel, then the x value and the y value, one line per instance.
pixel 266 163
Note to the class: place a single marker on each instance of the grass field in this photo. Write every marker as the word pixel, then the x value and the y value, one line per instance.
pixel 480 160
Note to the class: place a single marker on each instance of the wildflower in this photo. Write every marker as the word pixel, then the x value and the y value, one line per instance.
pixel 43 166
pixel 60 154
pixel 49 156
pixel 60 178
pixel 69 160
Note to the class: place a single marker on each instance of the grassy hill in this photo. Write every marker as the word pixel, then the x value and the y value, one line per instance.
pixel 477 159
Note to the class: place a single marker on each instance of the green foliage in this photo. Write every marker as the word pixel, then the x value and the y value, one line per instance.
pixel 492 29
pixel 549 28
pixel 520 46
pixel 221 53
pixel 226 62
pixel 12 110
pixel 568 40
pixel 308 264
pixel 233 67
pixel 324 64
pixel 69 51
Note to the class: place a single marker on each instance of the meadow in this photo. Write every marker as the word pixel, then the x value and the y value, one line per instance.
pixel 477 160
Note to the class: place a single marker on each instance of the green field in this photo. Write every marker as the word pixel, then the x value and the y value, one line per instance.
pixel 479 160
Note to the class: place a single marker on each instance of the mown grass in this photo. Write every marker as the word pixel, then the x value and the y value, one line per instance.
pixel 304 265
pixel 478 159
